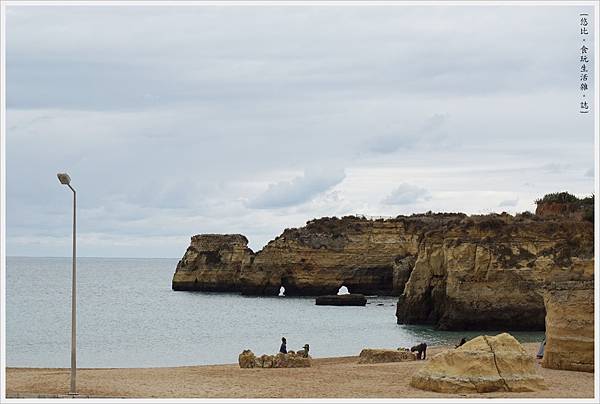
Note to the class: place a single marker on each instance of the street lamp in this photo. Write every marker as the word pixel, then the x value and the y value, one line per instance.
pixel 66 180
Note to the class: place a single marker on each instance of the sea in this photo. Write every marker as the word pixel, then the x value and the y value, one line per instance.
pixel 128 316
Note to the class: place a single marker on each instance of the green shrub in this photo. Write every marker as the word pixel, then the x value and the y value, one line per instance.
pixel 559 197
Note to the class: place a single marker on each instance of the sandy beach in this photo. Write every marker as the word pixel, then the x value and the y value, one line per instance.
pixel 340 377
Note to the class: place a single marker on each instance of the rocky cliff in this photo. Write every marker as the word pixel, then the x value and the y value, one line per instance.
pixel 450 270
pixel 569 303
pixel 485 272
pixel 366 256
pixel 213 263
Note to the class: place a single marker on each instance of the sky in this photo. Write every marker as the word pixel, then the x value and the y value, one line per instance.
pixel 175 121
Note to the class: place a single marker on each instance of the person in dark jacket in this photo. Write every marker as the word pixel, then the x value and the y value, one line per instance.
pixel 283 347
pixel 421 350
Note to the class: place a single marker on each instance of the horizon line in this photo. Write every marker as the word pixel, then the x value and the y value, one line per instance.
pixel 54 256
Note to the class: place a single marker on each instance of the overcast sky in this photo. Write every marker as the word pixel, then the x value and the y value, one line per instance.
pixel 174 121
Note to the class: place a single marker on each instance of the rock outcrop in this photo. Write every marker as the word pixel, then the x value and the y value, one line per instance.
pixel 366 256
pixel 385 355
pixel 487 272
pixel 363 255
pixel 450 270
pixel 483 364
pixel 570 328
pixel 351 299
pixel 213 263
pixel 247 360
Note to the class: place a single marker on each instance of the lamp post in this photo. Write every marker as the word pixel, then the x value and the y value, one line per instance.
pixel 66 180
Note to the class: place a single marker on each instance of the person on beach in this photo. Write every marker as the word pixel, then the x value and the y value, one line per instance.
pixel 540 353
pixel 283 347
pixel 304 351
pixel 421 351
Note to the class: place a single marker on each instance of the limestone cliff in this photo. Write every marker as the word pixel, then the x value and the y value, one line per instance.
pixel 366 256
pixel 487 271
pixel 213 262
pixel 450 270
pixel 570 327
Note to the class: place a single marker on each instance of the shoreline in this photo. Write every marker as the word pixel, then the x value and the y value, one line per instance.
pixel 334 377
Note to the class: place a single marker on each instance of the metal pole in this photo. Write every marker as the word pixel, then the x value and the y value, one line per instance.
pixel 74 302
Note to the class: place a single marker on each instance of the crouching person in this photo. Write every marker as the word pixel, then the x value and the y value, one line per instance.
pixel 421 351
pixel 304 351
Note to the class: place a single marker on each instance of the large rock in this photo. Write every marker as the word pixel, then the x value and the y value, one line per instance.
pixel 385 355
pixel 486 272
pixel 366 256
pixel 247 360
pixel 483 364
pixel 291 360
pixel 212 263
pixel 570 326
pixel 351 299
pixel 329 253
pixel 451 270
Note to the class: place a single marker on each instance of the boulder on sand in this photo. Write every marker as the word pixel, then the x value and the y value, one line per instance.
pixel 290 360
pixel 385 355
pixel 265 361
pixel 247 359
pixel 483 364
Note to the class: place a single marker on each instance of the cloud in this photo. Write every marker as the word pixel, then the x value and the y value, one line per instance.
pixel 298 190
pixel 163 143
pixel 554 168
pixel 590 172
pixel 391 143
pixel 433 122
pixel 509 202
pixel 427 134
pixel 407 194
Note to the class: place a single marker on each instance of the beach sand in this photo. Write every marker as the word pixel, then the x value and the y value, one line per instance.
pixel 340 377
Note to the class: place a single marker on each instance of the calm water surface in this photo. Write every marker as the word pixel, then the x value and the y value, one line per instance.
pixel 128 316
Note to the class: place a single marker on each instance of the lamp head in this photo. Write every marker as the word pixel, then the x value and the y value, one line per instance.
pixel 64 178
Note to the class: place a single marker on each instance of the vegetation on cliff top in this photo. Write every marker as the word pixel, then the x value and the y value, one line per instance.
pixel 586 205
pixel 565 197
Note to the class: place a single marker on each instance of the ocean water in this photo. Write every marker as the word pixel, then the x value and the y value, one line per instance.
pixel 128 316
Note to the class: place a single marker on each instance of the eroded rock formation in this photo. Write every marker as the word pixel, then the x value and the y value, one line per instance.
pixel 248 360
pixel 487 272
pixel 317 259
pixel 213 263
pixel 366 256
pixel 385 355
pixel 483 364
pixel 450 270
pixel 570 328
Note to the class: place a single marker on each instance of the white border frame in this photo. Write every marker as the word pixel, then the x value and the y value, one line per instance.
pixel 227 3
